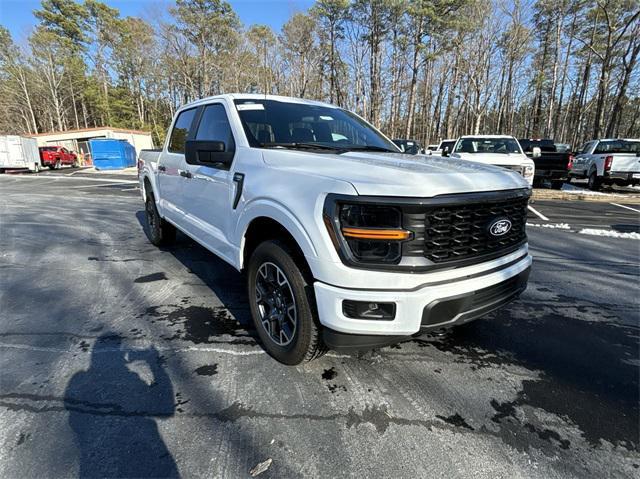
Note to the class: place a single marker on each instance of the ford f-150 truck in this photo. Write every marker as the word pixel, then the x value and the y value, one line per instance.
pixel 551 165
pixel 56 156
pixel 609 161
pixel 345 241
pixel 498 150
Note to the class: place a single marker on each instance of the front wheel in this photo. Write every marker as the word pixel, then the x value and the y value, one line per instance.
pixel 159 231
pixel 58 165
pixel 75 164
pixel 283 304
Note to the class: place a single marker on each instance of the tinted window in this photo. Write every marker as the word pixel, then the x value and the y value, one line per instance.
pixel 488 145
pixel 181 131
pixel 447 144
pixel 214 126
pixel 618 146
pixel 269 122
pixel 544 145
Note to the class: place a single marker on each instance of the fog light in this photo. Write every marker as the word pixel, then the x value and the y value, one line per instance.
pixel 368 310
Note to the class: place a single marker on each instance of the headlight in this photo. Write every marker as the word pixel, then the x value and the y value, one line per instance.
pixel 528 171
pixel 369 233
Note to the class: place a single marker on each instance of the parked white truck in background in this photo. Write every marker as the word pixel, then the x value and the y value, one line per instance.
pixel 497 150
pixel 608 161
pixel 19 153
pixel 345 241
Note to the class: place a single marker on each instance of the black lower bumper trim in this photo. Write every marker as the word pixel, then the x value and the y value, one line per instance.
pixel 354 342
pixel 466 307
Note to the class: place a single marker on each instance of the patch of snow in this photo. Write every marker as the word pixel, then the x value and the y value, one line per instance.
pixel 559 226
pixel 571 189
pixel 609 233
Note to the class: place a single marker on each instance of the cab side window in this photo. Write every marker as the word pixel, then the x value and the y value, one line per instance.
pixel 180 131
pixel 587 146
pixel 214 126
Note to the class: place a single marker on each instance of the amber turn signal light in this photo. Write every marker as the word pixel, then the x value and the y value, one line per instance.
pixel 376 234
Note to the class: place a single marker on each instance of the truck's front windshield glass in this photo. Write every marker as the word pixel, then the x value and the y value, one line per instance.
pixel 279 124
pixel 488 145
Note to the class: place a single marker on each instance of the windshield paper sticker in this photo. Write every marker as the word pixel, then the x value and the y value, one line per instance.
pixel 250 106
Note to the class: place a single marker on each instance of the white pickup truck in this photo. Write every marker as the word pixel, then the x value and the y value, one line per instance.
pixel 497 150
pixel 345 241
pixel 608 161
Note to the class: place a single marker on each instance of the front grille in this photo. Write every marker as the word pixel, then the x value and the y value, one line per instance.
pixel 447 233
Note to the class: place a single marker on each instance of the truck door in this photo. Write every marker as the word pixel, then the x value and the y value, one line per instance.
pixel 172 165
pixel 208 188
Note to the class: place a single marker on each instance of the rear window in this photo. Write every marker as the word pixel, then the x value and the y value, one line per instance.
pixel 180 131
pixel 48 148
pixel 618 146
pixel 544 145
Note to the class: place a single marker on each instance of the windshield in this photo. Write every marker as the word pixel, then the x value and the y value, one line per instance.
pixel 488 145
pixel 618 146
pixel 271 123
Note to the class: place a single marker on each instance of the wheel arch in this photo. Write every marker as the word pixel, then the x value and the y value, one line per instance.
pixel 264 227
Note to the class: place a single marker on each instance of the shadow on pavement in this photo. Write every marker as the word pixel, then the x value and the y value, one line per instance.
pixel 113 412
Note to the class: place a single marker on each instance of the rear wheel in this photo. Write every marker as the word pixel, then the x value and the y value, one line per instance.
pixel 557 184
pixel 594 182
pixel 283 304
pixel 159 231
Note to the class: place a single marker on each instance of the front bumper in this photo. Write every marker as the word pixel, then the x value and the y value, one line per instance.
pixel 432 306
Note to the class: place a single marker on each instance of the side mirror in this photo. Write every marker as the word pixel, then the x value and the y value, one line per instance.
pixel 537 152
pixel 209 153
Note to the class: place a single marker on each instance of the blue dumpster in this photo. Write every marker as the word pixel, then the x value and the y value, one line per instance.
pixel 110 154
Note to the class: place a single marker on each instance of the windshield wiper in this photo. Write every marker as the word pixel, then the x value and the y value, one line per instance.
pixel 301 145
pixel 369 148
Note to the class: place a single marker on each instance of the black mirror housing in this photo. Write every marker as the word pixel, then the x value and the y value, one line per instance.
pixel 209 153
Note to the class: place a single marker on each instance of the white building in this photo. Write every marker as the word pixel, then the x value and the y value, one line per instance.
pixel 78 140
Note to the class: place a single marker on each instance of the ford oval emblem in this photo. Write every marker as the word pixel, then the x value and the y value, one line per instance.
pixel 500 227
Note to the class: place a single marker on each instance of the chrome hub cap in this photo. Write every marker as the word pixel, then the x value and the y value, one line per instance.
pixel 276 304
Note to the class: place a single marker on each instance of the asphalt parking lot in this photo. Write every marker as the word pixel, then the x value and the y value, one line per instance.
pixel 120 359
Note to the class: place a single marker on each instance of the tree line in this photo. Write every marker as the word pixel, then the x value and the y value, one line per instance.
pixel 421 69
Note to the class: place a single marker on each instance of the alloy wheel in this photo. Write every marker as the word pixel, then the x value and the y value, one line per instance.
pixel 276 304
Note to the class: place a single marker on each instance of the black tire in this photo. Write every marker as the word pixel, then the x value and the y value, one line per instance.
pixel 557 184
pixel 159 231
pixel 75 164
pixel 594 182
pixel 305 343
pixel 51 167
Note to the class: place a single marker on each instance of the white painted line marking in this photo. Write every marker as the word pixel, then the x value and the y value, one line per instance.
pixel 626 207
pixel 538 214
pixel 76 178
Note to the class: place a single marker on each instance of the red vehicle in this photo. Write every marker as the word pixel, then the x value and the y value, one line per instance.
pixel 56 156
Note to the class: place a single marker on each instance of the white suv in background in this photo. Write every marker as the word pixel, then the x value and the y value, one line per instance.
pixel 608 161
pixel 497 150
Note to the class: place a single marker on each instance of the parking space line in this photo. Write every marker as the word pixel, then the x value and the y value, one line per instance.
pixel 538 214
pixel 626 207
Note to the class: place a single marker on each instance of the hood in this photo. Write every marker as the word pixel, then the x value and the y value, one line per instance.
pixel 503 159
pixel 396 174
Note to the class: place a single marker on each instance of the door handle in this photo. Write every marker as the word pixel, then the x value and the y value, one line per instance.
pixel 162 168
pixel 185 174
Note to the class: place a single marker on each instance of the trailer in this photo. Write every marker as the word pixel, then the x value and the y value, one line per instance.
pixel 19 153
